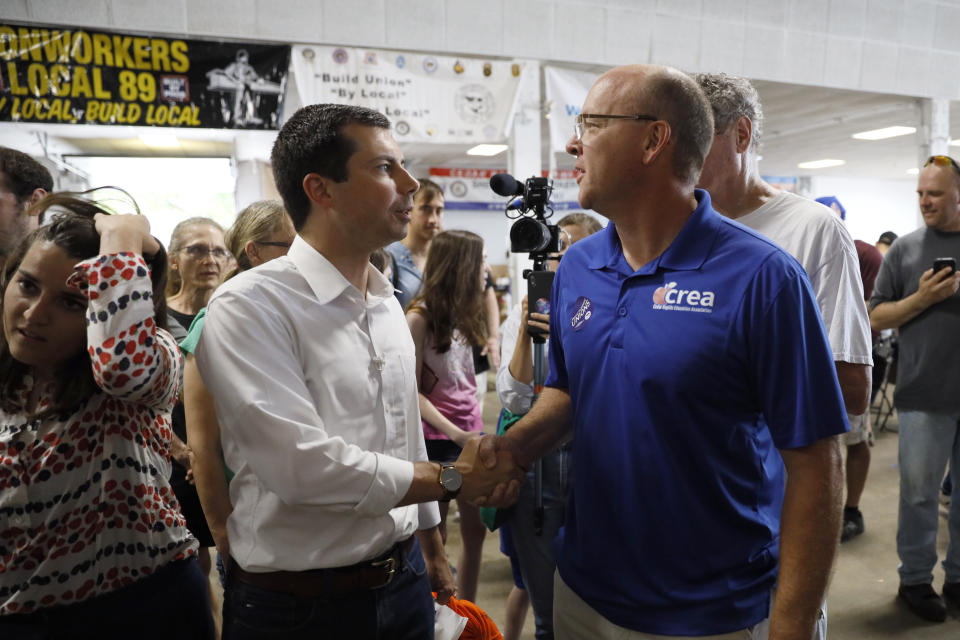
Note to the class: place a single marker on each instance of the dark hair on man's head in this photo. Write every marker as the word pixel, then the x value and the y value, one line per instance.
pixel 428 190
pixel 732 97
pixel 72 229
pixel 312 141
pixel 887 238
pixel 452 296
pixel 22 174
pixel 673 96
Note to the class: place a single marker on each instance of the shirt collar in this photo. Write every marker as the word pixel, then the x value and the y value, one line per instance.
pixel 326 281
pixel 687 252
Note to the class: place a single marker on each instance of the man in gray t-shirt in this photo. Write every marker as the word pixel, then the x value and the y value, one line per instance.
pixel 925 306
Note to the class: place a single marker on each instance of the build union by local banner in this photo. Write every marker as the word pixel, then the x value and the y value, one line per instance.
pixel 69 75
pixel 428 98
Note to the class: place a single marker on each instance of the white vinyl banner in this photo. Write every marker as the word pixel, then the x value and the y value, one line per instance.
pixel 428 98
pixel 566 91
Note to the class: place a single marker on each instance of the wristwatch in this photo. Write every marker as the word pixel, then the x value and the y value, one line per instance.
pixel 450 481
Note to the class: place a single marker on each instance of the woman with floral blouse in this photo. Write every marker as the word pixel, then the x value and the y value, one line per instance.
pixel 92 543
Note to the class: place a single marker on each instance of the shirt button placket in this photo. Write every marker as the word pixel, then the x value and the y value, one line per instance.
pixel 616 340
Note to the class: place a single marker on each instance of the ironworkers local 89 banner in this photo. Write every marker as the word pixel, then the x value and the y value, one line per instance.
pixel 80 76
pixel 427 98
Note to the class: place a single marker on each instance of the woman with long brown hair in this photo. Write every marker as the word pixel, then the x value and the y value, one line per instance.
pixel 92 542
pixel 446 321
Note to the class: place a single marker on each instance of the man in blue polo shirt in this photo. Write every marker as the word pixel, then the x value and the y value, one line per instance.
pixel 689 360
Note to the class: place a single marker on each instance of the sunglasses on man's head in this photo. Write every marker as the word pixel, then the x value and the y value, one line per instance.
pixel 942 161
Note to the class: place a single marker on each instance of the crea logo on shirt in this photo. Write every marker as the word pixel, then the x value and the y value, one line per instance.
pixel 670 297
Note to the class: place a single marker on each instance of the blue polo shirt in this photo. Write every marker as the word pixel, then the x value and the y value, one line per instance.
pixel 685 377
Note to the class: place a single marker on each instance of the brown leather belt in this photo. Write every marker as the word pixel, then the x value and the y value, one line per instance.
pixel 319 583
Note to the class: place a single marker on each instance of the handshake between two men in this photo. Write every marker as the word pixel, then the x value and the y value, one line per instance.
pixel 493 467
pixel 491 475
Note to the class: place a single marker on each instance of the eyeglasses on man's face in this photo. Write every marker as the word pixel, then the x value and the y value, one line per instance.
pixel 942 161
pixel 581 121
pixel 201 251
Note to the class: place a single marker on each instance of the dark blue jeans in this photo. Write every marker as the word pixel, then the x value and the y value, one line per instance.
pixel 403 610
pixel 173 602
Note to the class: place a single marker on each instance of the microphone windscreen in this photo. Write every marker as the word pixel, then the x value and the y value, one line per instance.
pixel 506 185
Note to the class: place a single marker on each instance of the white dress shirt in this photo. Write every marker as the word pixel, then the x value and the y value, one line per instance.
pixel 315 391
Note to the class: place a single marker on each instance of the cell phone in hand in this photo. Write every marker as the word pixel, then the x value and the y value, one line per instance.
pixel 539 286
pixel 945 263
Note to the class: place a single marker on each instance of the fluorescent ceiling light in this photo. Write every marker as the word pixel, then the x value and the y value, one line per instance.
pixel 913 171
pixel 160 140
pixel 821 164
pixel 886 132
pixel 487 149
pixel 955 143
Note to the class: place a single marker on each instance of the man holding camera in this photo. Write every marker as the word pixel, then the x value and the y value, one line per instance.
pixel 916 292
pixel 689 361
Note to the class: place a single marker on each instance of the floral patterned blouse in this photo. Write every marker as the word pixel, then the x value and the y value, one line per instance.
pixel 85 505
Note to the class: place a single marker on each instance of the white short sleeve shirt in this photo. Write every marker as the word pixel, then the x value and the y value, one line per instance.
pixel 818 239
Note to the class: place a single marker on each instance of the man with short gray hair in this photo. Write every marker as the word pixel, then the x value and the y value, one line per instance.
pixel 808 230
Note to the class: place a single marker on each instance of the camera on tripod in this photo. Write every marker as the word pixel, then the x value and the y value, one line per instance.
pixel 531 234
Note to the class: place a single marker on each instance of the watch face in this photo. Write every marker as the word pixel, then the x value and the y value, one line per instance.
pixel 451 479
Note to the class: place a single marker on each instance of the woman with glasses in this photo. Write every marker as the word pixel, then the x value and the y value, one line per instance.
pixel 92 544
pixel 198 262
pixel 262 231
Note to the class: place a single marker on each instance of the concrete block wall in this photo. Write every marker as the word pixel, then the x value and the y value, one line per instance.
pixel 909 47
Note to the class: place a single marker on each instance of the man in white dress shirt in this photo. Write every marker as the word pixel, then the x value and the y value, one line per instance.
pixel 311 365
